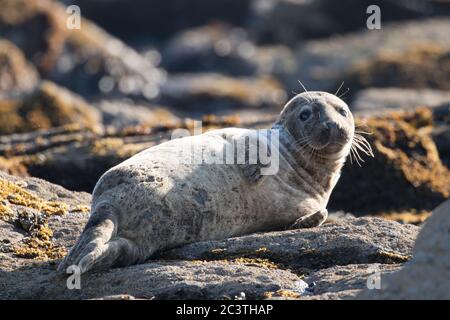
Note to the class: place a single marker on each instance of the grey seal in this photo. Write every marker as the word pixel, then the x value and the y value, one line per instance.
pixel 153 201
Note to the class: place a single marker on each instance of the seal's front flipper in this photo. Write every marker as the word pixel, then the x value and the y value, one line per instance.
pixel 311 221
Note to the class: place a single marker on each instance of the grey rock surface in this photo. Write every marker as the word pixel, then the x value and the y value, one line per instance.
pixel 374 101
pixel 160 280
pixel 427 276
pixel 350 241
pixel 259 265
pixel 324 63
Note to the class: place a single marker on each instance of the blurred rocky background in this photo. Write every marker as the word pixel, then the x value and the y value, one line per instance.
pixel 74 103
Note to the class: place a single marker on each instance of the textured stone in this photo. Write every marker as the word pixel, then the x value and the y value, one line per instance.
pixel 427 275
pixel 374 101
pixel 349 241
pixel 17 75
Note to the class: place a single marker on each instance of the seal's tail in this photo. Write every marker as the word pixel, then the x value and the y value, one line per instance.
pixel 98 246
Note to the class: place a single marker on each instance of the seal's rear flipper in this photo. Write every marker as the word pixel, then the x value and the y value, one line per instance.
pixel 98 247
pixel 117 252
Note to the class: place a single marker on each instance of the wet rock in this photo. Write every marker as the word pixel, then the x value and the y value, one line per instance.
pixel 406 174
pixel 427 275
pixel 374 101
pixel 324 64
pixel 88 61
pixel 349 241
pixel 48 106
pixel 209 93
pixel 17 76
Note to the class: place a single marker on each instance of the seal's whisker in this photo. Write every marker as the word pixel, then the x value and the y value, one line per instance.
pixel 357 146
pixel 351 156
pixel 363 132
pixel 361 138
pixel 344 93
pixel 363 143
pixel 357 156
pixel 310 97
pixel 340 87
pixel 363 148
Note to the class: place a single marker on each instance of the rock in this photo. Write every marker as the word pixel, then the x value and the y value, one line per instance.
pixel 441 137
pixel 291 21
pixel 36 28
pixel 48 106
pixel 374 101
pixel 224 49
pixel 406 174
pixel 427 276
pixel 323 64
pixel 161 19
pixel 38 220
pixel 344 282
pixel 217 47
pixel 155 280
pixel 301 18
pixel 350 241
pixel 17 76
pixel 210 92
pixel 125 113
pixel 88 61
pixel 423 66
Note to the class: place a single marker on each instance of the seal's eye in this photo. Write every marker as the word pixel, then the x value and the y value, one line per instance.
pixel 305 114
pixel 343 112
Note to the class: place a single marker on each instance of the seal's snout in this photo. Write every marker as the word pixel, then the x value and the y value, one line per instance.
pixel 330 126
pixel 330 133
pixel 335 131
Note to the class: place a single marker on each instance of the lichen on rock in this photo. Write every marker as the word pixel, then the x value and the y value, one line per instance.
pixel 48 106
pixel 425 66
pixel 17 75
pixel 30 213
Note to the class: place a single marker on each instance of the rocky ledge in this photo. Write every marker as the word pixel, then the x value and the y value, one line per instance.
pixel 40 221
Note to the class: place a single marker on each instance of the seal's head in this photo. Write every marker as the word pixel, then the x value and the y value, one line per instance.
pixel 321 122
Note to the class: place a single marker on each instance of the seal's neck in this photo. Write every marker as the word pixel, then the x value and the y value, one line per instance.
pixel 323 170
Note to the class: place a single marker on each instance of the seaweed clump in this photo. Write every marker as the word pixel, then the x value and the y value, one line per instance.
pixel 406 173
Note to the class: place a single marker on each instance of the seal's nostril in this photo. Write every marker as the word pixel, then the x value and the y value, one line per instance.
pixel 329 125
